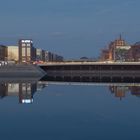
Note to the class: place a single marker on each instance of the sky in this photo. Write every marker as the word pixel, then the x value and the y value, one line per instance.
pixel 71 28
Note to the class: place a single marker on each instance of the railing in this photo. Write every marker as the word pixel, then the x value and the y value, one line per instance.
pixel 89 63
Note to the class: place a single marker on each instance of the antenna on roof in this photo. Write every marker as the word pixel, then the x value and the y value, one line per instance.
pixel 120 37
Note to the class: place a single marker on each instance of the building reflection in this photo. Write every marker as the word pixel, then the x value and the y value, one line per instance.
pixel 24 91
pixel 135 90
pixel 121 91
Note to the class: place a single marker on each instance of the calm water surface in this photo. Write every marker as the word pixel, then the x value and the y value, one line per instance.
pixel 69 112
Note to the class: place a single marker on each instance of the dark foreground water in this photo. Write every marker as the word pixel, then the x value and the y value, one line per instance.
pixel 64 111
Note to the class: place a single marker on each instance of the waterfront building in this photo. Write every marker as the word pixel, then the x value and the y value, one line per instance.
pixel 39 54
pixel 113 46
pixel 48 56
pixel 59 58
pixel 121 53
pixel 3 53
pixel 13 53
pixel 104 55
pixel 27 52
pixel 134 52
pixel 43 55
pixel 118 50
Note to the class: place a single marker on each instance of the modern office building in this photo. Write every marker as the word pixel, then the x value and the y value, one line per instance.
pixel 13 53
pixel 40 55
pixel 49 56
pixel 27 52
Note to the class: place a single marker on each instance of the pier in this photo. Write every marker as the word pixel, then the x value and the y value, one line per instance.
pixel 93 71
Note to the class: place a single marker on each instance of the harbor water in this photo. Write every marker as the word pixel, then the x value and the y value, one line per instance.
pixel 43 110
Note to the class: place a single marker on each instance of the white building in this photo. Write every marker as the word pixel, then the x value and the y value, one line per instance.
pixel 12 53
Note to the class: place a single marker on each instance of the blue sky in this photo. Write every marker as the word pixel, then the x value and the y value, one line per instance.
pixel 72 28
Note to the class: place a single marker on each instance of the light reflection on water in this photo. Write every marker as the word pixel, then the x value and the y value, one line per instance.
pixel 65 111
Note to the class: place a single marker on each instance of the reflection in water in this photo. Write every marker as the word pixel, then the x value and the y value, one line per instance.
pixel 121 91
pixel 24 91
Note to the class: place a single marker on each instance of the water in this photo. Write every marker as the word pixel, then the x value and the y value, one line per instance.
pixel 66 111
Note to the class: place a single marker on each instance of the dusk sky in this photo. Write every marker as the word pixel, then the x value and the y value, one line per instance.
pixel 72 28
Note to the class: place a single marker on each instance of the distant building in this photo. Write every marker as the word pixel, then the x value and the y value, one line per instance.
pixel 49 56
pixel 27 52
pixel 113 46
pixel 40 55
pixel 134 52
pixel 121 53
pixel 13 53
pixel 118 50
pixel 43 55
pixel 3 53
pixel 104 55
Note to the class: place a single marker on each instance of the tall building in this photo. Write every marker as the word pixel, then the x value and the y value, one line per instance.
pixel 27 52
pixel 13 53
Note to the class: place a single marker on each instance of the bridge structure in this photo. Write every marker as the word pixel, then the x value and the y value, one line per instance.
pixel 92 71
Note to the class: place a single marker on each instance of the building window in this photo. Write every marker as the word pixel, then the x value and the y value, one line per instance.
pixel 23 52
pixel 28 45
pixel 23 45
pixel 28 52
